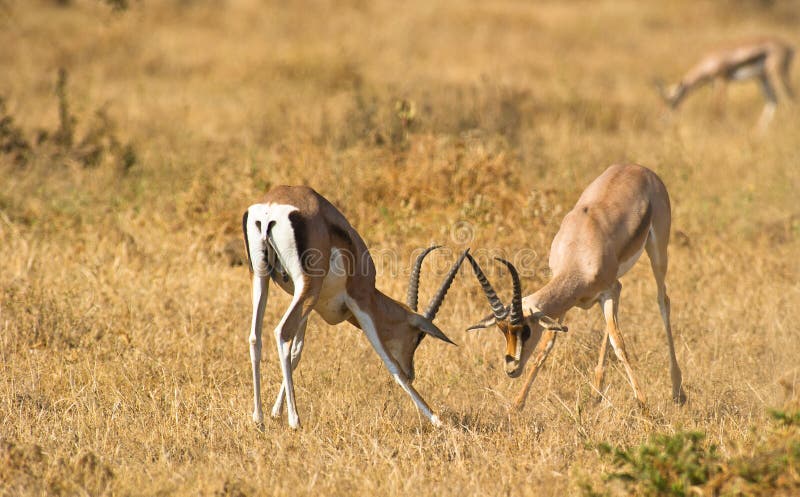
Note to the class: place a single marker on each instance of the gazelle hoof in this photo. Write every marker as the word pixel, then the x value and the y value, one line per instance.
pixel 435 421
pixel 517 406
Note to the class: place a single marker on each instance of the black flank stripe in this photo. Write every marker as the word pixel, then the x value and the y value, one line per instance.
pixel 300 237
pixel 246 241
pixel 341 233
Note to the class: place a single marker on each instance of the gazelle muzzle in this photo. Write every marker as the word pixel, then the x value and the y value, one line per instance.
pixel 514 343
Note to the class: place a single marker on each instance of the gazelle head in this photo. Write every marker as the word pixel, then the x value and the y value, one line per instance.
pixel 409 332
pixel 672 95
pixel 521 332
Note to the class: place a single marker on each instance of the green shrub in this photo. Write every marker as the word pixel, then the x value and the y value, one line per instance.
pixel 682 465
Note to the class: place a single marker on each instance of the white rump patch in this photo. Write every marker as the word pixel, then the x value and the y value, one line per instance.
pixel 281 238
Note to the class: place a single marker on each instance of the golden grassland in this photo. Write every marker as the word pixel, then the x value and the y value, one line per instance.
pixel 124 365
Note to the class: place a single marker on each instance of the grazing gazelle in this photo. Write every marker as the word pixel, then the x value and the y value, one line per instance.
pixel 623 212
pixel 767 59
pixel 301 241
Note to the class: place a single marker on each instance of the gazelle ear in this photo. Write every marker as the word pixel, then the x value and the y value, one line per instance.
pixel 548 323
pixel 486 322
pixel 427 326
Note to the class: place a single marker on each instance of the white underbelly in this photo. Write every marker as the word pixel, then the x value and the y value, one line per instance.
pixel 748 71
pixel 331 303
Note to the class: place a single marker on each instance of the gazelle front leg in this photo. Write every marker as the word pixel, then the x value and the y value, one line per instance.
pixel 720 94
pixel 297 350
pixel 368 326
pixel 260 290
pixel 609 302
pixel 600 370
pixel 543 348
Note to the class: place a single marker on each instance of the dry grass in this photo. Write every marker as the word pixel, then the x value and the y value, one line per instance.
pixel 123 355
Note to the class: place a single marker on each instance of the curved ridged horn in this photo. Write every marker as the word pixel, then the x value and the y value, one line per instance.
pixel 516 303
pixel 437 299
pixel 498 309
pixel 412 298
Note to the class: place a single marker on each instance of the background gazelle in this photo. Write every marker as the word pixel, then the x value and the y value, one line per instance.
pixel 767 59
pixel 621 213
pixel 300 240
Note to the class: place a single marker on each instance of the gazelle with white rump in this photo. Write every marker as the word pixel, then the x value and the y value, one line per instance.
pixel 623 212
pixel 304 244
pixel 767 59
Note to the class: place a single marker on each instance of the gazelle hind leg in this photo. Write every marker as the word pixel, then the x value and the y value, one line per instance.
pixel 659 262
pixel 769 107
pixel 609 302
pixel 260 291
pixel 282 240
pixel 543 348
pixel 777 69
pixel 297 351
pixel 260 259
pixel 285 333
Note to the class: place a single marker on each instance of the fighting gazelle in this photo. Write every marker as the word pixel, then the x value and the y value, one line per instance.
pixel 766 59
pixel 301 241
pixel 623 212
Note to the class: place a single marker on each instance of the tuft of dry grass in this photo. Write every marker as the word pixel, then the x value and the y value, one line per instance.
pixel 124 365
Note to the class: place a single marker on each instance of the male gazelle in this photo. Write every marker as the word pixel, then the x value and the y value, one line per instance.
pixel 767 59
pixel 621 213
pixel 301 241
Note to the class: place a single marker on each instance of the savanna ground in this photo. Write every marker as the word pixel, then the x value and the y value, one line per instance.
pixel 124 365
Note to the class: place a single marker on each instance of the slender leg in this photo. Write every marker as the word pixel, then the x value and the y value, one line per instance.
pixel 778 70
pixel 609 302
pixel 769 107
pixel 260 291
pixel 600 370
pixel 297 351
pixel 285 332
pixel 539 355
pixel 368 326
pixel 658 261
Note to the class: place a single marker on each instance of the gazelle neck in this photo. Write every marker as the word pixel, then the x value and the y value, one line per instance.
pixel 385 311
pixel 558 296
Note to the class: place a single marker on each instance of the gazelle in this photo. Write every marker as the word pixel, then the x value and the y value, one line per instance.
pixel 623 212
pixel 301 241
pixel 767 59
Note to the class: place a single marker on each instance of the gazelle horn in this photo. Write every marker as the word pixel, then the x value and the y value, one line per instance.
pixel 412 298
pixel 437 299
pixel 516 303
pixel 498 309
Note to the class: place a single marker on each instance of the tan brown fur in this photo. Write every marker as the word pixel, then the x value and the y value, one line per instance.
pixel 767 58
pixel 321 234
pixel 623 211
